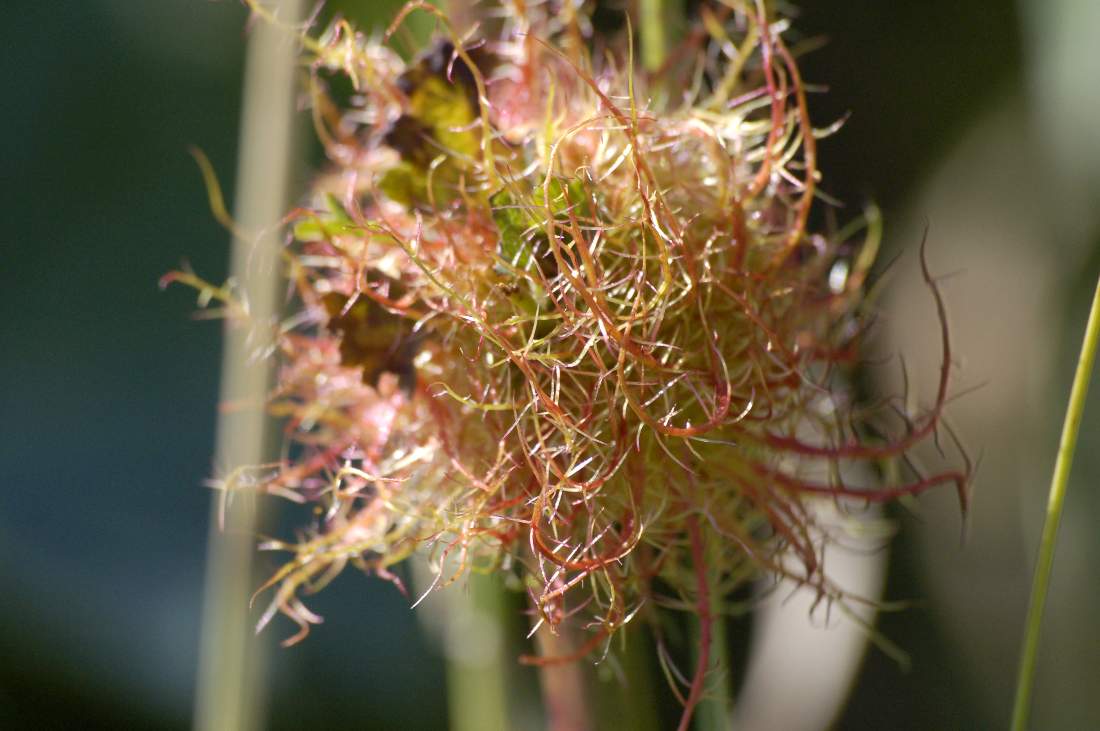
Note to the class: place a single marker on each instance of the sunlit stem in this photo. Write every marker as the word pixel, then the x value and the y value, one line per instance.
pixel 660 24
pixel 230 682
pixel 1056 501
pixel 653 32
pixel 477 681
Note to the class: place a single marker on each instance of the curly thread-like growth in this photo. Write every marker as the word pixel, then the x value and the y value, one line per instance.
pixel 553 320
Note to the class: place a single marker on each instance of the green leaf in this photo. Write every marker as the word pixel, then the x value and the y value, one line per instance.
pixel 521 228
pixel 324 225
pixel 437 137
pixel 513 223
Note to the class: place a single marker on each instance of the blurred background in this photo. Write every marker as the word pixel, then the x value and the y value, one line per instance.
pixel 979 119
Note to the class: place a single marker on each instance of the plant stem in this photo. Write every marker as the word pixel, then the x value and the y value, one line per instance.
pixel 1056 501
pixel 630 701
pixel 474 633
pixel 713 712
pixel 653 31
pixel 477 683
pixel 229 691
pixel 705 624
pixel 562 683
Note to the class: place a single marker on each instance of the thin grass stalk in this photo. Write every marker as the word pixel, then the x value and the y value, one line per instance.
pixel 1056 501
pixel 230 691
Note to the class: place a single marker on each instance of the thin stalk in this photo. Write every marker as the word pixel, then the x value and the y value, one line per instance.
pixel 468 621
pixel 659 22
pixel 229 691
pixel 1055 503
pixel 628 699
pixel 477 693
pixel 709 645
pixel 477 682
pixel 713 712
pixel 563 684
pixel 653 30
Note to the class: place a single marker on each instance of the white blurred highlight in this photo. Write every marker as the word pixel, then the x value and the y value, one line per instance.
pixel 804 659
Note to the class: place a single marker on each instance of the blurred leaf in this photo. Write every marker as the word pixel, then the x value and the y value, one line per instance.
pixel 327 224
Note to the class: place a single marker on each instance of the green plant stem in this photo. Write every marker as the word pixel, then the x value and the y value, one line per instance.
pixel 709 641
pixel 229 692
pixel 473 630
pixel 653 31
pixel 658 24
pixel 477 678
pixel 713 712
pixel 1055 503
pixel 628 699
pixel 477 682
